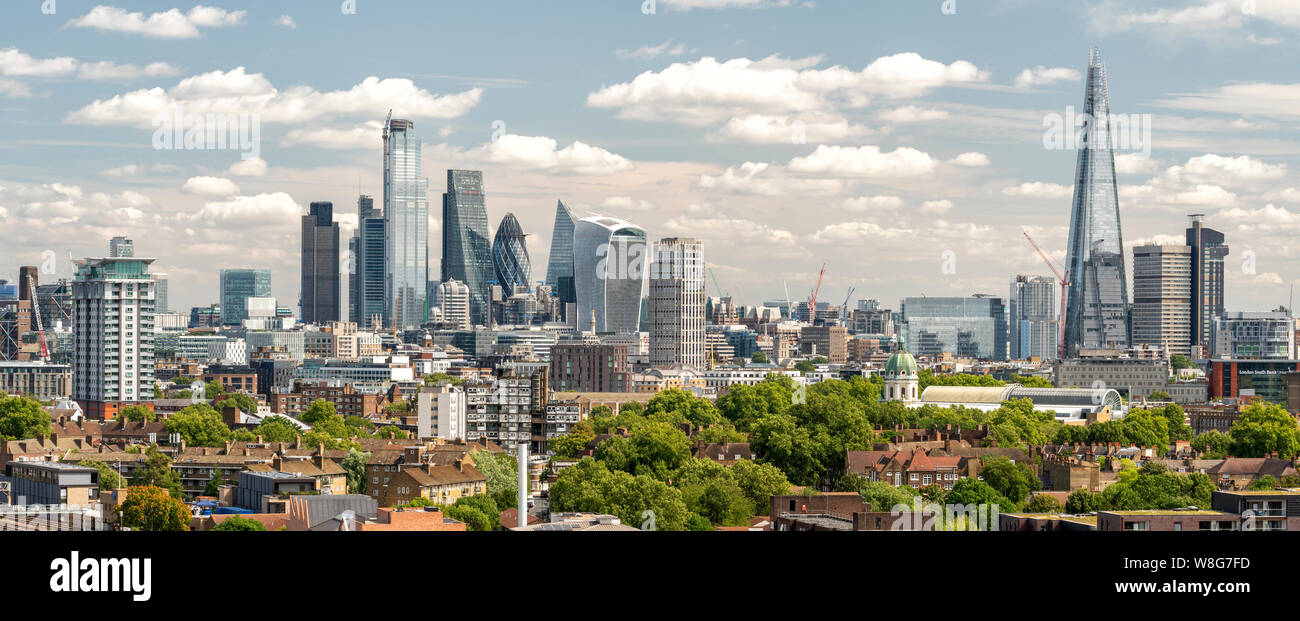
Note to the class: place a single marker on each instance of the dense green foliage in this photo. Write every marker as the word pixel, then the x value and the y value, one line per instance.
pixel 236 523
pixel 22 418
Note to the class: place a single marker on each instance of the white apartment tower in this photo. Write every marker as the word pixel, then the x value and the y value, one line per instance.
pixel 677 300
pixel 453 301
pixel 113 315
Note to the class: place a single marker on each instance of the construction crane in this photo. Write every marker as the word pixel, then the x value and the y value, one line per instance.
pixel 812 299
pixel 40 324
pixel 1065 283
pixel 844 309
pixel 716 285
pixel 789 305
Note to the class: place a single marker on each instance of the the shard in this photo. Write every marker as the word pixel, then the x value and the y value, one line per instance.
pixel 510 255
pixel 1097 302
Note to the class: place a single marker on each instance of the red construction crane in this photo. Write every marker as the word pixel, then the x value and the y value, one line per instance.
pixel 812 300
pixel 1064 282
pixel 40 325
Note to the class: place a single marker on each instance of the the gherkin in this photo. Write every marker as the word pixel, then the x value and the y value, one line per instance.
pixel 1097 302
pixel 510 254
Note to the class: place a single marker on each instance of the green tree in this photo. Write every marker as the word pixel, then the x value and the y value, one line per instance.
pixel 236 523
pixel 277 429
pixel 355 466
pixel 152 508
pixel 433 379
pixel 805 367
pixel 199 425
pixel 1212 444
pixel 22 418
pixel 1031 381
pixel 1179 361
pixel 590 486
pixel 476 505
pixel 1262 429
pixel 677 406
pixel 237 399
pixel 1265 483
pixel 1159 395
pixel 879 495
pixel 1013 480
pixel 971 491
pixel 743 405
pixel 1043 503
pixel 212 389
pixel 759 358
pixel 759 482
pixel 318 411
pixel 156 471
pixel 502 475
pixel 577 439
pixel 137 414
pixel 697 522
pixel 108 477
pixel 215 481
pixel 657 449
pixel 1082 501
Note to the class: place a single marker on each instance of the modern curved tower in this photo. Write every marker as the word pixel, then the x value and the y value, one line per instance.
pixel 1097 301
pixel 560 262
pixel 609 256
pixel 466 249
pixel 510 255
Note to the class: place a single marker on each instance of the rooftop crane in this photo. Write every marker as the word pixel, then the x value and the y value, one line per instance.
pixel 844 310
pixel 40 325
pixel 812 299
pixel 1065 283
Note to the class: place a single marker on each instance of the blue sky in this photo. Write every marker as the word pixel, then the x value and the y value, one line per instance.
pixel 923 130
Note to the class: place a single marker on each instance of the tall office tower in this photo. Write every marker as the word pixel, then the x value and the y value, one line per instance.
pixel 973 327
pixel 466 251
pixel 121 247
pixel 1033 322
pixel 453 301
pixel 320 265
pixel 1208 251
pixel 406 222
pixel 1162 297
pixel 609 257
pixel 113 314
pixel 237 285
pixel 162 289
pixel 677 298
pixel 28 279
pixel 559 265
pixel 368 263
pixel 510 255
pixel 1096 314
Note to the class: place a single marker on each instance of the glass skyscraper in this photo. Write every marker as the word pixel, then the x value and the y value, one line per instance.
pixel 559 265
pixel 466 250
pixel 237 285
pixel 367 288
pixel 510 255
pixel 609 273
pixel 320 265
pixel 406 227
pixel 1097 301
pixel 1208 251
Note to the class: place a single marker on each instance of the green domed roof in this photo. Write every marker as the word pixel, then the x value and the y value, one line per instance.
pixel 900 362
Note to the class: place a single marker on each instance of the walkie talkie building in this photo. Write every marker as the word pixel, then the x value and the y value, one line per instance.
pixel 1097 302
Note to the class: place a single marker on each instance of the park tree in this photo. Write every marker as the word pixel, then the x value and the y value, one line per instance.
pixel 1082 501
pixel 237 399
pixel 22 418
pixel 215 481
pixel 972 491
pixel 199 425
pixel 1212 444
pixel 743 405
pixel 153 508
pixel 1262 429
pixel 1043 503
pixel 759 482
pixel 212 389
pixel 577 439
pixel 277 429
pixel 355 466
pixel 137 414
pixel 156 471
pixel 501 471
pixel 637 500
pixel 657 450
pixel 678 406
pixel 236 523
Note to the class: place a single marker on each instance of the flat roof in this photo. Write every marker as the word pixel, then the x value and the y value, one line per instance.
pixel 54 465
pixel 1158 512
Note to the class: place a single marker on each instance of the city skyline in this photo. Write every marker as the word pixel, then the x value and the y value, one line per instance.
pixel 719 167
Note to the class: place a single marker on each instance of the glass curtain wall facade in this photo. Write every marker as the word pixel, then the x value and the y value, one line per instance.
pixel 320 265
pixel 237 285
pixel 406 227
pixel 609 257
pixel 1097 301
pixel 510 255
pixel 466 250
pixel 974 327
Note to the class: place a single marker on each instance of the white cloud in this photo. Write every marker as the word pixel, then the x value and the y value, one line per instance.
pixel 972 159
pixel 668 48
pixel 238 92
pixel 286 21
pixel 365 135
pixel 760 178
pixel 136 170
pixel 858 233
pixel 19 64
pixel 536 153
pixel 936 207
pixel 170 24
pixel 210 186
pixel 105 70
pixel 1272 100
pixel 263 210
pixel 627 203
pixel 1037 189
pixel 763 129
pixel 865 161
pixel 13 88
pixel 687 5
pixel 708 91
pixel 1133 164
pixel 870 203
pixel 1044 76
pixel 252 167
pixel 912 114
